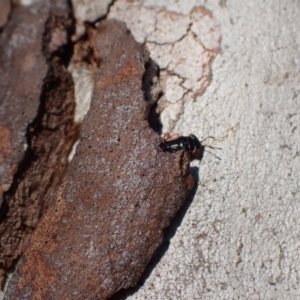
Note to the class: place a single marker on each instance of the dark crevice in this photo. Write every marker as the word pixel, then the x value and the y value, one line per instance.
pixel 3 210
pixel 151 71
pixel 59 47
pixel 152 93
pixel 154 119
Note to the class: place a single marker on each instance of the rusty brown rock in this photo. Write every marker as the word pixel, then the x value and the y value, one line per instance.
pixel 36 118
pixel 119 193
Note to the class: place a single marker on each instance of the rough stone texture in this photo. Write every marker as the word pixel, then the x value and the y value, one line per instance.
pixel 36 118
pixel 118 195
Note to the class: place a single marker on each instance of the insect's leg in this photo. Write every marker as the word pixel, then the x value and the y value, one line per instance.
pixel 219 158
pixel 211 147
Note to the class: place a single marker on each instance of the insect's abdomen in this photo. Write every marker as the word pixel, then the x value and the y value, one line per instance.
pixel 186 143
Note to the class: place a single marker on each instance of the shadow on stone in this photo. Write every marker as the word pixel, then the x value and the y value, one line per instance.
pixel 154 119
pixel 3 210
pixel 152 92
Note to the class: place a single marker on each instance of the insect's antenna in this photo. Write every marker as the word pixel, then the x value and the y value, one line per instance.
pixel 208 137
pixel 213 153
pixel 211 147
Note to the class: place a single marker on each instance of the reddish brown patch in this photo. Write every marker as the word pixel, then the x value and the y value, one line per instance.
pixel 204 11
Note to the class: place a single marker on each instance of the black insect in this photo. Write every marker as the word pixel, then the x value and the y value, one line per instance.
pixel 190 143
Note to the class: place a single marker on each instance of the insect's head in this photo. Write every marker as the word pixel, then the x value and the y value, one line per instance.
pixel 199 153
